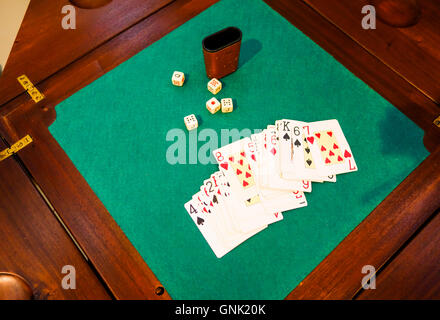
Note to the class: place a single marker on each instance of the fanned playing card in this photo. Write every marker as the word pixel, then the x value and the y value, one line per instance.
pixel 271 173
pixel 244 194
pixel 264 176
pixel 300 164
pixel 207 227
pixel 211 196
pixel 273 199
pixel 330 148
pixel 232 203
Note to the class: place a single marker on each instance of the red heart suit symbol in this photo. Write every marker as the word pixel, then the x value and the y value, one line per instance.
pixel 311 139
pixel 347 154
pixel 224 165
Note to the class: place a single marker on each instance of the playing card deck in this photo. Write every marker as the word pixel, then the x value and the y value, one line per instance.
pixel 264 175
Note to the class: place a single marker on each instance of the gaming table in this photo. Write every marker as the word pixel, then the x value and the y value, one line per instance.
pixel 97 159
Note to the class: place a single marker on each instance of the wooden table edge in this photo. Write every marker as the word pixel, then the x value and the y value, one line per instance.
pixel 10 96
pixel 128 276
pixel 22 116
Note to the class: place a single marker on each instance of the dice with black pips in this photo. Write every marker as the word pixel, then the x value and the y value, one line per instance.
pixel 191 122
pixel 227 105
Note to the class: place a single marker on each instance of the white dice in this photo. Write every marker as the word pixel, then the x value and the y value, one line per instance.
pixel 213 105
pixel 227 105
pixel 191 122
pixel 214 86
pixel 178 78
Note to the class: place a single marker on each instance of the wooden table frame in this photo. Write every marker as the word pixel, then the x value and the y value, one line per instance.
pixel 119 265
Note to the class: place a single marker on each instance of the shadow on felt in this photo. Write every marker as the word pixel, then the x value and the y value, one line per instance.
pixel 399 138
pixel 249 49
pixel 400 142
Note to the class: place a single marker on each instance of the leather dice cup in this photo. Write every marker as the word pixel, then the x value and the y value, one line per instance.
pixel 221 51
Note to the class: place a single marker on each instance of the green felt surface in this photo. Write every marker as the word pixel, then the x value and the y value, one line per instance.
pixel 114 130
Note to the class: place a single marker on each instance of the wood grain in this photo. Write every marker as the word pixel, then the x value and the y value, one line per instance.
pixel 43 47
pixel 413 53
pixel 397 13
pixel 415 272
pixel 417 107
pixel 117 261
pixel 114 257
pixel 14 287
pixel 408 99
pixel 90 4
pixel 33 243
pixel 376 239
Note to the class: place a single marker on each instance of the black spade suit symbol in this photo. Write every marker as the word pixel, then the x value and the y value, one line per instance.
pixel 200 221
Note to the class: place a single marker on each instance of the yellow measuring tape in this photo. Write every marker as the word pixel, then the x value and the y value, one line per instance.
pixel 36 95
pixel 437 121
pixel 20 144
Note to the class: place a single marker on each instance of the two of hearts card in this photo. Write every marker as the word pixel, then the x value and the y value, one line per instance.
pixel 264 175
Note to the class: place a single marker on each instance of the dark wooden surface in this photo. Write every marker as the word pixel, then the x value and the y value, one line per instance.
pixel 33 243
pixel 415 272
pixel 355 251
pixel 378 237
pixel 398 13
pixel 14 287
pixel 115 259
pixel 414 52
pixel 43 47
pixel 365 65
